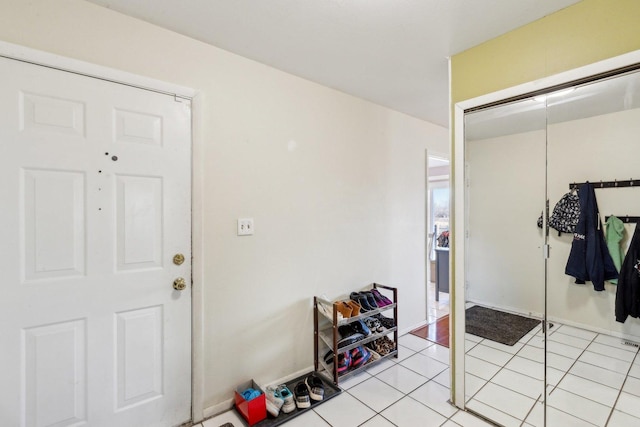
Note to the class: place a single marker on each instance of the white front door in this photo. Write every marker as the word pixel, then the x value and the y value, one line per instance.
pixel 95 202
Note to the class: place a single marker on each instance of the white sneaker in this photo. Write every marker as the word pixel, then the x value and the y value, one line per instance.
pixel 283 392
pixel 328 310
pixel 273 403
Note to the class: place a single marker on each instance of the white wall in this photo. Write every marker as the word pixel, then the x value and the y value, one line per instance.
pixel 504 262
pixel 505 198
pixel 599 148
pixel 335 186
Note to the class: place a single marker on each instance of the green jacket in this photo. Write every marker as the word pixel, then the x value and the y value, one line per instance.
pixel 615 229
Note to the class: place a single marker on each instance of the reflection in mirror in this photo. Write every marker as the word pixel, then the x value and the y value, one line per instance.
pixel 593 135
pixel 505 150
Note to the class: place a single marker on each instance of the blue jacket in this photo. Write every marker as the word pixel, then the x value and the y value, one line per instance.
pixel 628 292
pixel 589 259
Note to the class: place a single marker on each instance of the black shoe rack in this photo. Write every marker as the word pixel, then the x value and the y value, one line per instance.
pixel 326 335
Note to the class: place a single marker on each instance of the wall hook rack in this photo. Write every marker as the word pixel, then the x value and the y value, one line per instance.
pixel 608 184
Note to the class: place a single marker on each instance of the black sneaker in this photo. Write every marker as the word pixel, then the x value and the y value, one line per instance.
pixel 348 335
pixel 361 328
pixel 315 387
pixel 302 396
pixel 370 299
pixel 362 300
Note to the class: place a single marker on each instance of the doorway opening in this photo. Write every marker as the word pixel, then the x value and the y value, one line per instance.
pixel 438 196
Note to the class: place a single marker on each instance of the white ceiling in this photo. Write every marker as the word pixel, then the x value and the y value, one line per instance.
pixel 391 52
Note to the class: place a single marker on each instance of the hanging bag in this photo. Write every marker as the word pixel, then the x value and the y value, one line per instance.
pixel 566 214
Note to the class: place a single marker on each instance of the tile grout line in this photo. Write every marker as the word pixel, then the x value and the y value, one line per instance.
pixel 613 408
pixel 570 367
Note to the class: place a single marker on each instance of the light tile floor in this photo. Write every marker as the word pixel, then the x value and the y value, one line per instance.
pixel 410 391
pixel 593 379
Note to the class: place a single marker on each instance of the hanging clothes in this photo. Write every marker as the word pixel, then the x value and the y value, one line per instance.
pixel 628 292
pixel 613 235
pixel 589 259
pixel 566 213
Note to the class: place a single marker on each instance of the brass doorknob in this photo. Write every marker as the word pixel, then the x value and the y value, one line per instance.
pixel 179 284
pixel 178 259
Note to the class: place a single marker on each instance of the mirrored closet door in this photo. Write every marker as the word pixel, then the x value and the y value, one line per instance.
pixel 593 157
pixel 552 272
pixel 505 150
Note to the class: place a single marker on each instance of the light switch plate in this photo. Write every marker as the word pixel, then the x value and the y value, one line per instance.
pixel 245 226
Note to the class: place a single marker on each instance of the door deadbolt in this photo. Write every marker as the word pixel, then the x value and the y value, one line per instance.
pixel 179 284
pixel 178 259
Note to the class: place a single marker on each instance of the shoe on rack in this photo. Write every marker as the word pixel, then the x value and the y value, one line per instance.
pixel 355 307
pixel 274 401
pixel 359 356
pixel 385 321
pixel 327 310
pixel 370 299
pixel 344 309
pixel 382 346
pixel 361 328
pixel 348 335
pixel 373 324
pixel 302 396
pixel 344 361
pixel 374 356
pixel 315 387
pixel 285 394
pixel 362 300
pixel 381 298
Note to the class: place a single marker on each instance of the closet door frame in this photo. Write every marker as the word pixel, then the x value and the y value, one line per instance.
pixel 458 225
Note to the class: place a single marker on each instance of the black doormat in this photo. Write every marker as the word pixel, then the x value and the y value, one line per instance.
pixel 494 325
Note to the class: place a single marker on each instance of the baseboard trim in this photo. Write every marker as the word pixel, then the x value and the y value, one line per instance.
pixel 214 410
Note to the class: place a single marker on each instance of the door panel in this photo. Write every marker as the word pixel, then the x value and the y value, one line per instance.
pixel 96 201
pixel 505 268
pixel 139 350
pixel 53 227
pixel 139 216
pixel 55 374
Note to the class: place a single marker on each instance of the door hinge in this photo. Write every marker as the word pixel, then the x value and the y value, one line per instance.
pixel 182 99
pixel 545 251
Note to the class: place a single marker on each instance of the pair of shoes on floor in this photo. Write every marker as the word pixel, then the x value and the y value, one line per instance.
pixel 274 402
pixel 279 398
pixel 309 389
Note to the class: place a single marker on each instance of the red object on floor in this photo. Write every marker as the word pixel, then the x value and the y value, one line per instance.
pixel 254 410
pixel 437 332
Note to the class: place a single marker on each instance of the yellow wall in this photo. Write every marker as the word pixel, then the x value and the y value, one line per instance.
pixel 586 32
